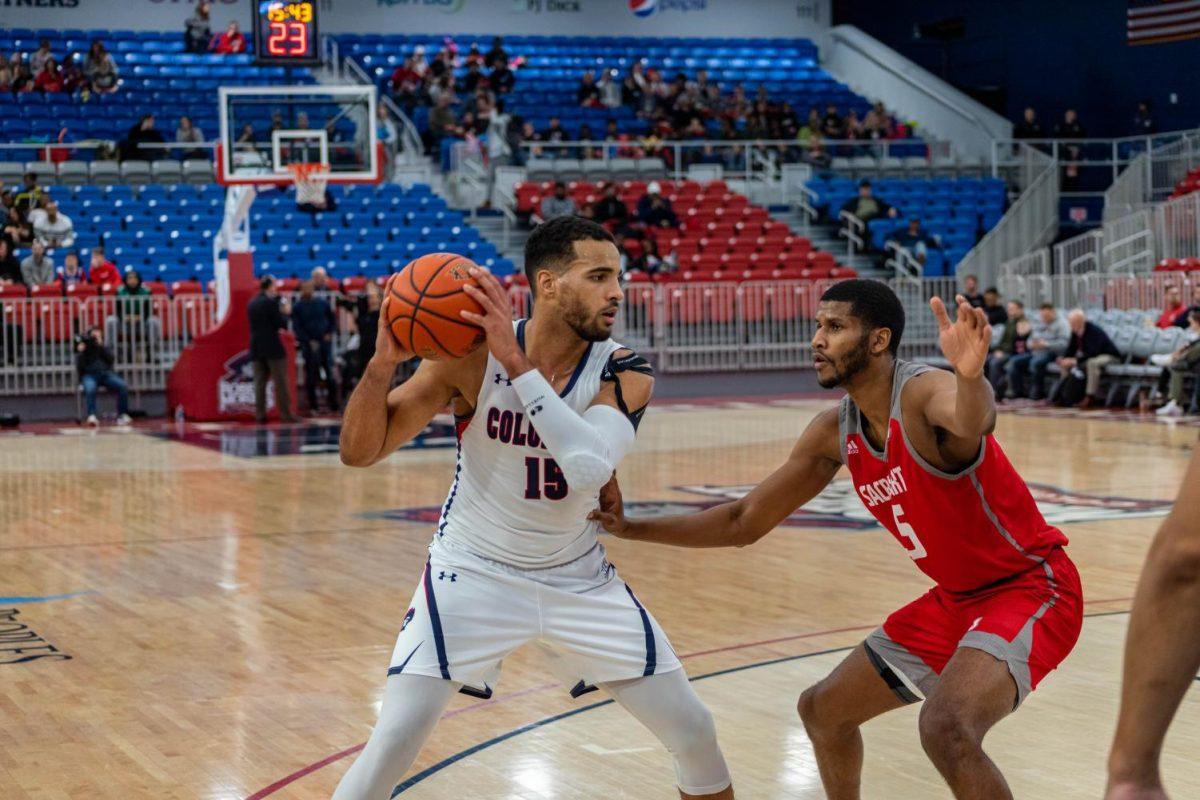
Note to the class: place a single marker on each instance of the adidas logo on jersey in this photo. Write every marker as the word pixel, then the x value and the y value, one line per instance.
pixel 851 448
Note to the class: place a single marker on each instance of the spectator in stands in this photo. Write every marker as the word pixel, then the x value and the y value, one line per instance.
pixel 17 230
pixel 94 362
pixel 1143 120
pixel 101 271
pixel 38 268
pixel 198 29
pixel 1172 307
pixel 502 80
pixel 473 79
pixel 1030 127
pixel 1178 366
pixel 50 78
pixel 1181 321
pixel 43 54
pixel 611 208
pixel 72 75
pixel 832 126
pixel 268 315
pixel 914 239
pixel 187 133
pixel 441 121
pixel 866 206
pixel 555 133
pixel 100 69
pixel 996 315
pixel 23 79
pixel 72 273
pixel 971 291
pixel 498 150
pixel 10 267
pixel 143 133
pixel 1047 340
pixel 588 93
pixel 1070 128
pixel 134 321
pixel 1090 351
pixel 497 55
pixel 231 41
pixel 610 90
pixel 1014 342
pixel 654 210
pixel 6 76
pixel 50 227
pixel 314 325
pixel 559 204
pixel 31 194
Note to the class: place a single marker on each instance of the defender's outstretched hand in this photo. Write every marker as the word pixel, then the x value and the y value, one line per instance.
pixel 611 513
pixel 967 341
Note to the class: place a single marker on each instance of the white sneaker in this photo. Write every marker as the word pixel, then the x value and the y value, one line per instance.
pixel 1171 409
pixel 92 422
pixel 124 420
pixel 1161 359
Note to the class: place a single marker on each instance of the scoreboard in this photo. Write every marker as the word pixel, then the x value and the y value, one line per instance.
pixel 285 33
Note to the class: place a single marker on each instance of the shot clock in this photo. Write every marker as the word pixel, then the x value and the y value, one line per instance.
pixel 285 33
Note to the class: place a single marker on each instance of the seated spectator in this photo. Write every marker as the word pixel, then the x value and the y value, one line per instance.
pixel 877 124
pixel 610 208
pixel 72 75
pixel 1173 307
pixel 502 80
pixel 914 239
pixel 94 362
pixel 558 204
pixel 1047 340
pixel 6 76
pixel 100 69
pixel 866 206
pixel 1181 321
pixel 31 194
pixel 17 230
pixel 610 90
pixel 588 93
pixel 198 30
pixel 971 291
pixel 473 79
pixel 320 280
pixel 314 325
pixel 101 271
pixel 442 120
pixel 497 55
pixel 187 133
pixel 50 227
pixel 832 126
pixel 134 321
pixel 231 41
pixel 10 267
pixel 72 272
pixel 1179 365
pixel 40 57
pixel 1089 351
pixel 1029 127
pixel 555 133
pixel 38 268
pixel 142 133
pixel 50 79
pixel 1014 342
pixel 996 315
pixel 654 210
pixel 23 79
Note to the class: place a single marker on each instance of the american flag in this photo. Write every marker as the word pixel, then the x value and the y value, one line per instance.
pixel 1154 21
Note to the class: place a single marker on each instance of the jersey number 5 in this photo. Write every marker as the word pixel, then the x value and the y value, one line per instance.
pixel 914 547
pixel 543 478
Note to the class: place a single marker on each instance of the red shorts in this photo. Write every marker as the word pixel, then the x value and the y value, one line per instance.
pixel 1030 621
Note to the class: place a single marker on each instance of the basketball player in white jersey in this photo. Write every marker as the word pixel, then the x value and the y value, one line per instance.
pixel 545 413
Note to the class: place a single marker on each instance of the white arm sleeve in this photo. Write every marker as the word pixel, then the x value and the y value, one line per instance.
pixel 587 448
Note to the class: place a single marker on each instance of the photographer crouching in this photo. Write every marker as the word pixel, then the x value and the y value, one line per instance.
pixel 95 365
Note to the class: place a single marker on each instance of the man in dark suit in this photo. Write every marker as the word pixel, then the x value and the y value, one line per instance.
pixel 268 315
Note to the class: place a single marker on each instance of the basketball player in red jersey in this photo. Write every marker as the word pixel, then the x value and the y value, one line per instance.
pixel 1007 606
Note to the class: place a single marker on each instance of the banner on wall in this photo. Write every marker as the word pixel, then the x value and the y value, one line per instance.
pixel 712 18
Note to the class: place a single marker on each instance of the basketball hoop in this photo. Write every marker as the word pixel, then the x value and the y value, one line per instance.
pixel 310 180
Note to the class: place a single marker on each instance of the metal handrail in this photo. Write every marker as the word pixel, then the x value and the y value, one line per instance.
pixel 411 146
pixel 854 232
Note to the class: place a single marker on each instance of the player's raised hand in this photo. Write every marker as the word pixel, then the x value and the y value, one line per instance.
pixel 387 348
pixel 497 317
pixel 965 342
pixel 611 513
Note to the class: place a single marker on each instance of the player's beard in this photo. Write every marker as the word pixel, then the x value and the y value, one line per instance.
pixel 587 326
pixel 853 363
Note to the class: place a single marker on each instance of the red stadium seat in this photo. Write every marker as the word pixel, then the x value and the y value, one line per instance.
pixel 185 287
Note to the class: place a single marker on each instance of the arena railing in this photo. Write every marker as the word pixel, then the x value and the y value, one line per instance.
pixel 1152 176
pixel 1080 254
pixel 1177 227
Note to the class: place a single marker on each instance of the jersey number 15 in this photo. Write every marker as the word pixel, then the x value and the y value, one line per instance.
pixel 543 478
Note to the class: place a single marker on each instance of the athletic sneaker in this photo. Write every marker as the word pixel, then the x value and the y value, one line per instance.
pixel 1161 359
pixel 124 420
pixel 1171 409
pixel 92 422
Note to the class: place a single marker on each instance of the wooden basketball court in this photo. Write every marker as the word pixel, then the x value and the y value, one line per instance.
pixel 229 599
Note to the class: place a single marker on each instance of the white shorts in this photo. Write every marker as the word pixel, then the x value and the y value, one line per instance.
pixel 468 613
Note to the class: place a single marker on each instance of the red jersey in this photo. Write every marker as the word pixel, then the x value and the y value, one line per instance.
pixel 965 530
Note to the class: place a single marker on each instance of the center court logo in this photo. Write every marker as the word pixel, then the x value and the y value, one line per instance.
pixel 648 8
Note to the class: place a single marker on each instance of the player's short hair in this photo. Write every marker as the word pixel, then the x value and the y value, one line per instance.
pixel 874 303
pixel 1047 307
pixel 265 282
pixel 552 244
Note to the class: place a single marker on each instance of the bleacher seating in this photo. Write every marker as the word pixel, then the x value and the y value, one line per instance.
pixel 721 235
pixel 166 232
pixel 956 211
pixel 1189 184
pixel 1178 265
pixel 546 83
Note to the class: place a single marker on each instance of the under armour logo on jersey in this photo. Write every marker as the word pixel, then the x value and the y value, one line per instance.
pixel 502 379
pixel 453 576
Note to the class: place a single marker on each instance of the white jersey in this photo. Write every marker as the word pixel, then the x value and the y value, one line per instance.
pixel 509 501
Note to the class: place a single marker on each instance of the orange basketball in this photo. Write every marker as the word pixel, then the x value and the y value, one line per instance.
pixel 422 303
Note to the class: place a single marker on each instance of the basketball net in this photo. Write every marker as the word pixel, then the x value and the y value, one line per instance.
pixel 310 180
